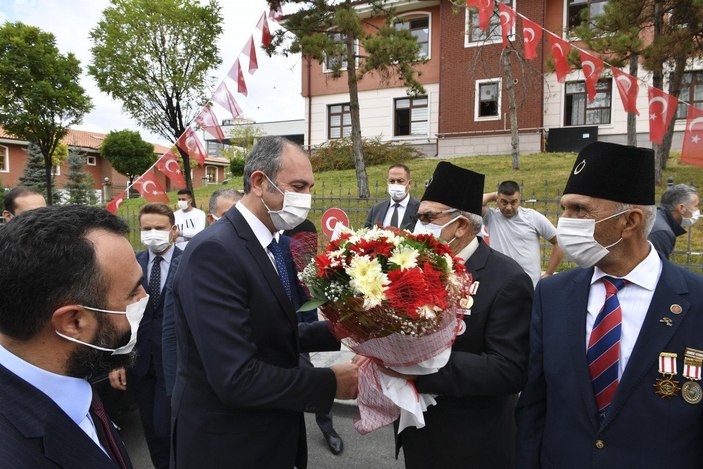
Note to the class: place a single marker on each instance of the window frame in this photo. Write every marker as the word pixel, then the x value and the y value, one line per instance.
pixel 88 159
pixel 327 69
pixel 609 82
pixel 341 125
pixel 682 109
pixel 494 26
pixel 5 168
pixel 426 98
pixel 217 173
pixel 477 99
pixel 415 15
pixel 568 26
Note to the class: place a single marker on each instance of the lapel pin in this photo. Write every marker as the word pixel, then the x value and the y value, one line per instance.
pixel 666 321
pixel 676 309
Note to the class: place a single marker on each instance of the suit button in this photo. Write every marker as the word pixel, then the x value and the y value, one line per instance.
pixel 600 444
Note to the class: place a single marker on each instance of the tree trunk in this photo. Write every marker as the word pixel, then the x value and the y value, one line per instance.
pixel 658 82
pixel 186 170
pixel 362 182
pixel 47 177
pixel 512 109
pixel 675 81
pixel 631 116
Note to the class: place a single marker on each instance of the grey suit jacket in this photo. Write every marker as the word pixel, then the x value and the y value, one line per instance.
pixel 378 214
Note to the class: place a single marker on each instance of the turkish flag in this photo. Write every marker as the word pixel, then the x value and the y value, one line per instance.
pixel 472 3
pixel 263 25
pixel 115 204
pixel 224 98
pixel 507 21
pixel 150 189
pixel 168 165
pixel 662 108
pixel 207 120
pixel 190 143
pixel 250 51
pixel 276 14
pixel 629 87
pixel 235 73
pixel 692 151
pixel 592 69
pixel 560 53
pixel 485 10
pixel 532 37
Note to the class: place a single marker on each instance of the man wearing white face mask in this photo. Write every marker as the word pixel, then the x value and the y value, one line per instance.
pixel 71 314
pixel 615 346
pixel 472 426
pixel 240 393
pixel 189 220
pixel 401 209
pixel 679 209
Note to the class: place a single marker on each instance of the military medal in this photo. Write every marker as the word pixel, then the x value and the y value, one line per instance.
pixel 691 390
pixel 667 386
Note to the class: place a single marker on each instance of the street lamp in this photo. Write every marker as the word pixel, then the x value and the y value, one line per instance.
pixel 107 195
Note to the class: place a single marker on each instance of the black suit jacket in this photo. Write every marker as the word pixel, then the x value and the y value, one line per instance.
pixel 378 214
pixel 35 433
pixel 240 393
pixel 473 425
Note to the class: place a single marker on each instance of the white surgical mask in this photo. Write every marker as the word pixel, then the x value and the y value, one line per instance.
pixel 688 222
pixel 183 204
pixel 294 211
pixel 576 239
pixel 156 240
pixel 396 191
pixel 432 228
pixel 215 217
pixel 134 312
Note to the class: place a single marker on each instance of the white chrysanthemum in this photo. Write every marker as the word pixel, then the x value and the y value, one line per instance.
pixel 368 279
pixel 426 312
pixel 404 257
pixel 450 263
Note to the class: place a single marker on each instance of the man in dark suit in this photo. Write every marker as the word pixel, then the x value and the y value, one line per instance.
pixel 472 425
pixel 240 392
pixel 145 378
pixel 71 309
pixel 401 209
pixel 679 209
pixel 615 346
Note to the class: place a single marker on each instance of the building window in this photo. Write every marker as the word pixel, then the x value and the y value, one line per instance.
pixel 411 115
pixel 211 174
pixel 576 8
pixel 579 111
pixel 331 61
pixel 4 160
pixel 691 92
pixel 420 28
pixel 339 120
pixel 487 99
pixel 214 148
pixel 474 35
pixel 91 160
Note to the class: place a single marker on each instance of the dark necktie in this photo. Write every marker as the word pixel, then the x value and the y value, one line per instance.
pixel 103 427
pixel 604 346
pixel 277 252
pixel 394 217
pixel 155 280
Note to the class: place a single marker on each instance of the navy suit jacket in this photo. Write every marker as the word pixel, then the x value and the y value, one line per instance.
pixel 378 214
pixel 558 424
pixel 35 433
pixel 240 393
pixel 149 333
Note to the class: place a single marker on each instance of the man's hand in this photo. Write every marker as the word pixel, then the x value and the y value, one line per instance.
pixel 118 379
pixel 347 375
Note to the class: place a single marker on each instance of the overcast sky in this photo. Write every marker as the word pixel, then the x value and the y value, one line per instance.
pixel 274 90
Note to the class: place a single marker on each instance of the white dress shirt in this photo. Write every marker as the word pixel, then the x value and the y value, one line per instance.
pixel 165 265
pixel 262 233
pixel 402 205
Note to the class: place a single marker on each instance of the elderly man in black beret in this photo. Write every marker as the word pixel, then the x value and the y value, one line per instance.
pixel 616 346
pixel 472 425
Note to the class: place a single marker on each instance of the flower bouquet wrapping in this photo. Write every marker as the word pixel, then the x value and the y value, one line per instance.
pixel 398 299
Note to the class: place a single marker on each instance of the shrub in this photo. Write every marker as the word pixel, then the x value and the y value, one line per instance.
pixel 337 154
pixel 236 165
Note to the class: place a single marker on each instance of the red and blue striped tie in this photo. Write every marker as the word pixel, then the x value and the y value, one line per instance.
pixel 604 346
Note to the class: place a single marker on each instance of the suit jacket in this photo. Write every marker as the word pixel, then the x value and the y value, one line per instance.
pixel 557 417
pixel 149 333
pixel 664 232
pixel 168 331
pixel 472 425
pixel 378 214
pixel 240 395
pixel 35 433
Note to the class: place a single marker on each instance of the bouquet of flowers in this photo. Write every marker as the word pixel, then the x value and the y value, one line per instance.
pixel 398 299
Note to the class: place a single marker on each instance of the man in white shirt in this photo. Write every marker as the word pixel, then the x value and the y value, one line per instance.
pixel 401 210
pixel 71 308
pixel 515 230
pixel 189 220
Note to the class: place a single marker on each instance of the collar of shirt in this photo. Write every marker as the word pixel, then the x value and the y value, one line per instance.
pixel 645 274
pixel 469 250
pixel 263 235
pixel 72 395
pixel 165 256
pixel 403 203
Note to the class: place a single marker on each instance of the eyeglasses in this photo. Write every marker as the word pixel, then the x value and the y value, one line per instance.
pixel 428 217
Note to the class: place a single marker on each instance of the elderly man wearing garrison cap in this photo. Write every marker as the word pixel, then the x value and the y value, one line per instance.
pixel 473 425
pixel 616 346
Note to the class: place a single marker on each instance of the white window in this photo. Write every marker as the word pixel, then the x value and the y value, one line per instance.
pixel 575 11
pixel 487 99
pixel 4 159
pixel 474 35
pixel 56 170
pixel 691 92
pixel 339 121
pixel 91 161
pixel 211 174
pixel 411 116
pixel 578 111
pixel 419 26
pixel 330 62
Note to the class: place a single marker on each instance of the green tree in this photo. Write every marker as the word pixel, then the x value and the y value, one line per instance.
pixel 40 97
pixel 128 153
pixel 242 138
pixel 322 30
pixel 34 174
pixel 80 185
pixel 154 56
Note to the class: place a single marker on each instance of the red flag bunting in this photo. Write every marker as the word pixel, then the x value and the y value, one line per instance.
pixel 485 10
pixel 224 98
pixel 207 120
pixel 560 52
pixel 692 151
pixel 190 143
pixel 276 14
pixel 115 204
pixel 507 21
pixel 628 88
pixel 168 165
pixel 235 73
pixel 592 69
pixel 263 26
pixel 532 36
pixel 472 3
pixel 250 51
pixel 150 188
pixel 662 108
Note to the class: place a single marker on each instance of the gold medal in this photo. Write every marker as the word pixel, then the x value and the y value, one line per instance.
pixel 691 392
pixel 666 387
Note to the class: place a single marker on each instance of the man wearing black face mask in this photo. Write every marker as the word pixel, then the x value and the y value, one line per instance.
pixel 240 393
pixel 615 346
pixel 73 313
